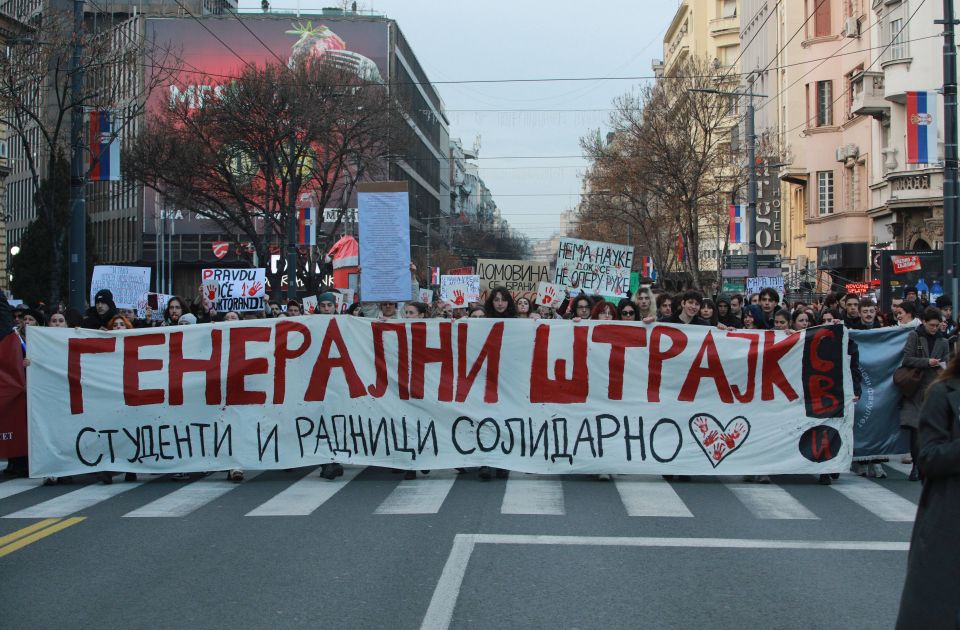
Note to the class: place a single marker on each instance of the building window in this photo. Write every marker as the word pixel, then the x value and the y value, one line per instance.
pixel 821 18
pixel 824 103
pixel 825 192
pixel 728 8
pixel 897 38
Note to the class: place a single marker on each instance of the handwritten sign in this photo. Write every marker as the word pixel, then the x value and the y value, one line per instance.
pixel 460 290
pixel 519 277
pixel 309 304
pixel 755 285
pixel 549 294
pixel 594 267
pixel 235 289
pixel 128 284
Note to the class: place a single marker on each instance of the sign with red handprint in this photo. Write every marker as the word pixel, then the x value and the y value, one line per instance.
pixel 460 290
pixel 230 289
pixel 549 294
pixel 717 440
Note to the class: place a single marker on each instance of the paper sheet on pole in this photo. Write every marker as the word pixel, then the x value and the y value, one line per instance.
pixel 384 242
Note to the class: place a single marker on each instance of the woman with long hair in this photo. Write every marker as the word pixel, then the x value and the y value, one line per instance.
pixel 708 311
pixel 931 592
pixel 175 309
pixel 523 307
pixel 604 310
pixel 500 304
pixel 645 302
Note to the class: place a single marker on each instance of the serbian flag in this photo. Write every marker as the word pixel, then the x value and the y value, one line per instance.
pixel 921 127
pixel 434 276
pixel 646 267
pixel 104 148
pixel 736 222
pixel 681 250
pixel 306 230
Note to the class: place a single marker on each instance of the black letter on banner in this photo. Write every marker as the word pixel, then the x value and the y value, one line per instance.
pixel 340 448
pixel 322 434
pixel 300 433
pixel 823 372
pixel 601 434
pixel 496 440
pixel 396 446
pixel 542 436
pixel 161 442
pixel 135 439
pixel 203 443
pixel 180 440
pixel 453 435
pixel 145 442
pixel 262 446
pixel 79 455
pixel 109 433
pixel 523 437
pixel 584 428
pixel 422 439
pixel 376 435
pixel 557 454
pixel 354 433
pixel 653 433
pixel 218 440
pixel 627 436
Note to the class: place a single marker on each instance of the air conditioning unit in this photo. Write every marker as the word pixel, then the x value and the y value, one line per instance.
pixel 851 27
pixel 853 151
pixel 3 150
pixel 842 153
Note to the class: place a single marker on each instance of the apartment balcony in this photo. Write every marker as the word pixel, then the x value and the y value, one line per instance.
pixel 719 26
pixel 868 95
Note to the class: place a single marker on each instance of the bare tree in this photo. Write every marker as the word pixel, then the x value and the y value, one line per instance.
pixel 244 156
pixel 36 101
pixel 669 170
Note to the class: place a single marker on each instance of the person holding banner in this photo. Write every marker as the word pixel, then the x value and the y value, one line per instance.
pixel 499 305
pixel 664 307
pixel 604 311
pixel 581 308
pixel 175 309
pixel 926 349
pixel 415 310
pixel 931 591
pixel 627 310
pixel 645 302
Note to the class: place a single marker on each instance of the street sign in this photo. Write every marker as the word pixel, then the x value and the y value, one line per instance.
pixel 739 261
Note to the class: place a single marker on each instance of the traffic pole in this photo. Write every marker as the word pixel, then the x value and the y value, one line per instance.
pixel 77 241
pixel 950 205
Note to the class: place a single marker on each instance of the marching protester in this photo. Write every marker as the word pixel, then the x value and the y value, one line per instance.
pixel 293 308
pixel 326 304
pixel 925 353
pixel 604 310
pixel 415 310
pixel 523 307
pixel 499 305
pixel 906 314
pixel 101 312
pixel 645 302
pixel 868 315
pixel 688 310
pixel 627 311
pixel 581 307
pixel 708 312
pixel 664 307
pixel 801 320
pixel 726 314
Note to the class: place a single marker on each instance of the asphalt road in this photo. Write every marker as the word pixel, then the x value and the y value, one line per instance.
pixel 291 550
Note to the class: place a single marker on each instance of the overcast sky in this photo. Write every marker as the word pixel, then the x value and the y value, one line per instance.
pixel 526 39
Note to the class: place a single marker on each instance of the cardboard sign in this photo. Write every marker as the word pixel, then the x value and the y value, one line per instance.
pixel 425 296
pixel 309 304
pixel 755 285
pixel 128 284
pixel 549 294
pixel 235 289
pixel 519 277
pixel 594 267
pixel 460 290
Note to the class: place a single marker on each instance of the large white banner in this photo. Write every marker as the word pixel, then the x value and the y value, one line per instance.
pixel 594 267
pixel 526 395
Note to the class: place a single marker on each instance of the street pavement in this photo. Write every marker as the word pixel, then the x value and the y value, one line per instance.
pixel 369 550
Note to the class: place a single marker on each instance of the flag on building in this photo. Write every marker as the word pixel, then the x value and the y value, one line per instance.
pixel 681 248
pixel 306 227
pixel 737 222
pixel 921 127
pixel 434 276
pixel 104 148
pixel 646 268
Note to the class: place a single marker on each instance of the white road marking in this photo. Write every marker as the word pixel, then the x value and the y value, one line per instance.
pixel 73 502
pixel 189 498
pixel 770 501
pixel 899 466
pixel 650 496
pixel 440 611
pixel 423 495
pixel 888 505
pixel 533 495
pixel 302 497
pixel 16 486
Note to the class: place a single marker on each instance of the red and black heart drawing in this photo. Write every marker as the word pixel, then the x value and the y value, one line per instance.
pixel 717 440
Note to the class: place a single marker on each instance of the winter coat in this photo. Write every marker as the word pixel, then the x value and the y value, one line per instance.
pixel 931 593
pixel 915 355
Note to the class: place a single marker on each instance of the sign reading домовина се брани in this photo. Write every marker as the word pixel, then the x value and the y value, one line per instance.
pixel 527 395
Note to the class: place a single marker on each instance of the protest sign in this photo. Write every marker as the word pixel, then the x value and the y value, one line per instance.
pixel 426 296
pixel 594 267
pixel 460 290
pixel 519 277
pixel 348 296
pixel 309 304
pixel 235 289
pixel 157 303
pixel 755 285
pixel 549 294
pixel 520 394
pixel 127 284
pixel 384 212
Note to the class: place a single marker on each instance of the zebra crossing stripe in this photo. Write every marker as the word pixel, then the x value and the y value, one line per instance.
pixel 533 495
pixel 419 496
pixel 303 497
pixel 16 486
pixel 770 502
pixel 73 502
pixel 188 498
pixel 650 496
pixel 888 505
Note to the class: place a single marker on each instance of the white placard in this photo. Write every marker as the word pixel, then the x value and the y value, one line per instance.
pixel 459 291
pixel 235 289
pixel 594 267
pixel 309 304
pixel 549 294
pixel 755 285
pixel 127 284
pixel 426 296
pixel 348 297
pixel 384 244
pixel 144 301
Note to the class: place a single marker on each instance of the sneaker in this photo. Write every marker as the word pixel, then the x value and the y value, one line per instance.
pixel 50 481
pixel 879 472
pixel 604 477
pixel 327 471
pixel 824 480
pixel 235 475
pixel 105 478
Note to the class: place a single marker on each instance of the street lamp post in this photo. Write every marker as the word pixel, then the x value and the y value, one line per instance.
pixel 751 139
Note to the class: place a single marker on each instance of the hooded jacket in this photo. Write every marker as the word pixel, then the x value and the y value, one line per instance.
pixel 94 320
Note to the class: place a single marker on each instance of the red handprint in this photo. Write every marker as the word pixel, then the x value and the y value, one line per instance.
pixel 710 439
pixel 254 289
pixel 458 297
pixel 210 291
pixel 701 425
pixel 548 294
pixel 718 451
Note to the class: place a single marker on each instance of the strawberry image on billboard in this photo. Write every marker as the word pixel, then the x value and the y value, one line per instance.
pixel 905 264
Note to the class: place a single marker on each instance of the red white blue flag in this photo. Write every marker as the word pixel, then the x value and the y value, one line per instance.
pixel 921 127
pixel 434 276
pixel 646 268
pixel 104 148
pixel 737 222
pixel 306 228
